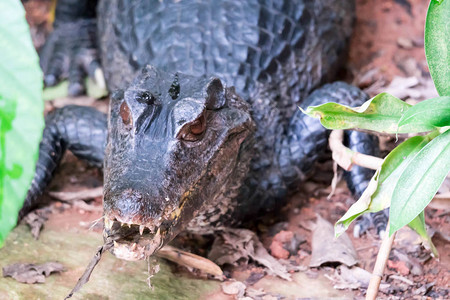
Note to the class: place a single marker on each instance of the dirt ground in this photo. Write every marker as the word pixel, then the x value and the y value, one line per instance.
pixel 387 46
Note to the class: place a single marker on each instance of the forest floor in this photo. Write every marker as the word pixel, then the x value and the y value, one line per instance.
pixel 386 54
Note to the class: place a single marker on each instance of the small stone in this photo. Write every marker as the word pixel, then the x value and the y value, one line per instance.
pixel 269 297
pixel 418 42
pixel 234 288
pixel 405 43
pixel 284 236
pixel 312 274
pixel 386 6
pixel 399 266
pixel 277 250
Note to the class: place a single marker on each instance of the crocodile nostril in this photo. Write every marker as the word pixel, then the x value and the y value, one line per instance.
pixel 125 114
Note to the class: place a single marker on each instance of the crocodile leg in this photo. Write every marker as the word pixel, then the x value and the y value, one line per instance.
pixel 307 139
pixel 79 129
pixel 71 49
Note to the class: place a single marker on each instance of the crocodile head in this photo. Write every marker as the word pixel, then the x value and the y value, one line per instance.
pixel 174 141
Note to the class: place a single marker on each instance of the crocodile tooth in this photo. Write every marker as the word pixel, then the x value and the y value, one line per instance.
pixel 157 237
pixel 133 247
pixel 115 244
pixel 141 229
pixel 108 223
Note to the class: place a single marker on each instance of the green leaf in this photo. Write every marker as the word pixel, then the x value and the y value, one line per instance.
pixel 437 44
pixel 21 112
pixel 418 225
pixel 428 114
pixel 381 113
pixel 420 181
pixel 378 194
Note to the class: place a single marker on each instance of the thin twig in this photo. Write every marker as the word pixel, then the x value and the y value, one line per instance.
pixel 401 278
pixel 337 176
pixel 87 273
pixel 380 265
pixel 79 195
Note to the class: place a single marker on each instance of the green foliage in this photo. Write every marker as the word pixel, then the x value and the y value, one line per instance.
pixel 420 181
pixel 413 172
pixel 437 44
pixel 427 115
pixel 378 194
pixel 418 225
pixel 21 112
pixel 381 107
pixel 385 113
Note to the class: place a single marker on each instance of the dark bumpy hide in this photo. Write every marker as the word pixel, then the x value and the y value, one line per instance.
pixel 190 151
pixel 293 43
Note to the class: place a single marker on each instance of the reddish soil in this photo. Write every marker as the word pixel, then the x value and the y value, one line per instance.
pixel 388 37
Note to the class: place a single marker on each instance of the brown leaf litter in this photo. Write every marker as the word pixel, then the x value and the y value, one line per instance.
pixel 32 273
pixel 327 249
pixel 237 245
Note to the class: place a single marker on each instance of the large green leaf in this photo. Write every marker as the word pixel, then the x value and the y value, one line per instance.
pixel 381 113
pixel 378 194
pixel 420 181
pixel 428 114
pixel 418 225
pixel 437 44
pixel 21 112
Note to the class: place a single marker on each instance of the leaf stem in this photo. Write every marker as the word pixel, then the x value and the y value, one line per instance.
pixel 346 158
pixel 380 265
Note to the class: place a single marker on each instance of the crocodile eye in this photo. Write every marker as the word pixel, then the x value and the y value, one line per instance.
pixel 194 130
pixel 199 125
pixel 125 114
pixel 146 98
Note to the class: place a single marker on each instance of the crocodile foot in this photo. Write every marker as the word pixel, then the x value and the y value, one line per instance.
pixel 71 52
pixel 378 220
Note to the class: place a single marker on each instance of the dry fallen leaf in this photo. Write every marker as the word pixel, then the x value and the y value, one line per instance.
pixel 36 220
pixel 233 245
pixel 327 249
pixel 256 293
pixel 352 278
pixel 32 273
pixel 190 260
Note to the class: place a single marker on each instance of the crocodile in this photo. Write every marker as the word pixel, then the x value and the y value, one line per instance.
pixel 203 130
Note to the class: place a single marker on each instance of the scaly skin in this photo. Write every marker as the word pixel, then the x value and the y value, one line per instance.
pixel 184 150
pixel 82 130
